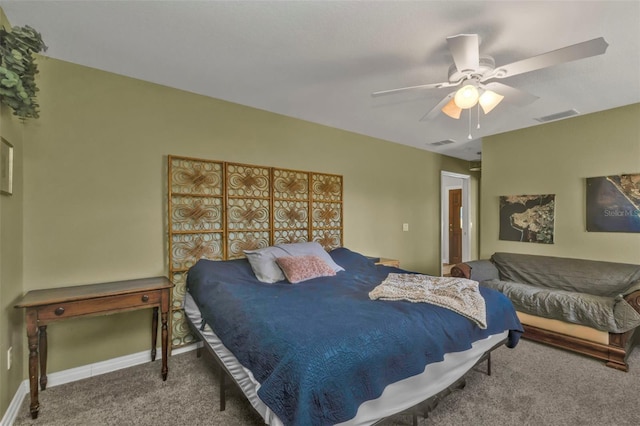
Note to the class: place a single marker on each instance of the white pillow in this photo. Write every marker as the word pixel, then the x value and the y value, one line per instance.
pixel 263 261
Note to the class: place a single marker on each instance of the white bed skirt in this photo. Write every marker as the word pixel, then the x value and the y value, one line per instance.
pixel 395 398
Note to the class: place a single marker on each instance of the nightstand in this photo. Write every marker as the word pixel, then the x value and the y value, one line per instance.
pixel 388 262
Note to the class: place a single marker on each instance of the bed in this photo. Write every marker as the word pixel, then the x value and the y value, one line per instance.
pixel 321 352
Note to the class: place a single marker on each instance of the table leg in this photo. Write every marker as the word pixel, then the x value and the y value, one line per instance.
pixel 154 333
pixel 32 336
pixel 165 345
pixel 43 357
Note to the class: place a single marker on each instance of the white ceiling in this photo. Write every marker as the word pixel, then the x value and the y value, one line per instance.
pixel 321 60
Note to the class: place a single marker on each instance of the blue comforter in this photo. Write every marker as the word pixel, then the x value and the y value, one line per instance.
pixel 321 347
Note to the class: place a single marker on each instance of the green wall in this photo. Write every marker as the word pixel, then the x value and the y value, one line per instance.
pixel 556 158
pixel 95 189
pixel 11 283
pixel 11 210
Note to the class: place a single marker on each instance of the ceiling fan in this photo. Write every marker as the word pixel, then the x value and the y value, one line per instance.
pixel 473 72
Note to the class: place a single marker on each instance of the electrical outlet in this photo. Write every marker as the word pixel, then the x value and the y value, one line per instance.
pixel 9 357
pixel 405 227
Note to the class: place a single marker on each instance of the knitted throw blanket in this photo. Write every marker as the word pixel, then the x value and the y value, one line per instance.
pixel 457 294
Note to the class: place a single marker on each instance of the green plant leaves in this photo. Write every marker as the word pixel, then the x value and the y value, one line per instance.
pixel 18 69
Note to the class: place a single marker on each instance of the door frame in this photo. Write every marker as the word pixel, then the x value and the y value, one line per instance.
pixel 465 181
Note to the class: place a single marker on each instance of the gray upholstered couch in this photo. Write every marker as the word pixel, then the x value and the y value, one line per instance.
pixel 587 306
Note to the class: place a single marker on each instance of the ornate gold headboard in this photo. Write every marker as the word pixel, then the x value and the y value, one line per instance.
pixel 218 209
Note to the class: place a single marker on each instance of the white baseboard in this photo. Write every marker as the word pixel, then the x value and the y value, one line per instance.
pixel 14 407
pixel 84 372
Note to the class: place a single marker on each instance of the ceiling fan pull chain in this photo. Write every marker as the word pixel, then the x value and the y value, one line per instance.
pixel 478 126
pixel 469 137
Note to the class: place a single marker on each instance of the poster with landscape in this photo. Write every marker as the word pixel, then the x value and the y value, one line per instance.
pixel 613 203
pixel 527 218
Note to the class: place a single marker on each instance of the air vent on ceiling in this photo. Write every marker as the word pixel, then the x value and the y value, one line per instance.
pixel 444 142
pixel 557 116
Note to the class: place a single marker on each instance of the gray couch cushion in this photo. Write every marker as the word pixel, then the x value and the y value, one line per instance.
pixel 482 270
pixel 611 314
pixel 572 275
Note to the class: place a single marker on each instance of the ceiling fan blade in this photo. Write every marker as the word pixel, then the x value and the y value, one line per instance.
pixel 465 51
pixel 421 86
pixel 436 109
pixel 586 49
pixel 511 94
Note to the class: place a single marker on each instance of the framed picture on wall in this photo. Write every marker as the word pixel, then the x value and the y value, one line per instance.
pixel 613 203
pixel 6 167
pixel 527 218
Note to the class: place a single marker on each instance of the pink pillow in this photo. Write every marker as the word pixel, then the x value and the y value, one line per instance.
pixel 302 268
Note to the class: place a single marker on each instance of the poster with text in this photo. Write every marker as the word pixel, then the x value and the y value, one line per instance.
pixel 613 203
pixel 527 218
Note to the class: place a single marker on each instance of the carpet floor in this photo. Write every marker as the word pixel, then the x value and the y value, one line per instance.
pixel 532 384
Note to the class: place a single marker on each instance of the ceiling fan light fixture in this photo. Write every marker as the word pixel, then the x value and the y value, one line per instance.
pixel 452 110
pixel 466 97
pixel 489 100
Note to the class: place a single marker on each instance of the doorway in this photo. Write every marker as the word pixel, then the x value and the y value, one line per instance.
pixel 455 244
pixel 455 226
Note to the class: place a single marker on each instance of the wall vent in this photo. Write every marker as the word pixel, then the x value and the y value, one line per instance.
pixel 557 116
pixel 444 142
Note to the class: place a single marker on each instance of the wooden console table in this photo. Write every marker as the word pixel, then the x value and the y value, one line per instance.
pixel 49 305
